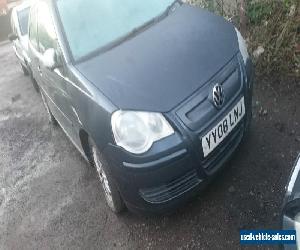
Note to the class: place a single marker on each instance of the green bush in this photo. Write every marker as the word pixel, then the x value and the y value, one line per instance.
pixel 259 11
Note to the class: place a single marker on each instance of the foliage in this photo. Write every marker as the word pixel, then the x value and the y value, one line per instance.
pixel 207 4
pixel 219 7
pixel 259 11
pixel 273 25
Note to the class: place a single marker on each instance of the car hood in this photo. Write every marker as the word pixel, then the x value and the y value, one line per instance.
pixel 160 67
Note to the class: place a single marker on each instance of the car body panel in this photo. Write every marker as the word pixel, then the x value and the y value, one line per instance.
pixel 163 68
pixel 182 51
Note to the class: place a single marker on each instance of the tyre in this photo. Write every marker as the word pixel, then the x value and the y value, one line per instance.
pixel 112 195
pixel 51 118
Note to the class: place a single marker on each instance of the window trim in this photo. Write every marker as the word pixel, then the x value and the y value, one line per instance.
pixel 36 48
pixel 39 24
pixel 65 46
pixel 19 23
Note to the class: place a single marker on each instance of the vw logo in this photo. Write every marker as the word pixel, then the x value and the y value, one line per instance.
pixel 218 95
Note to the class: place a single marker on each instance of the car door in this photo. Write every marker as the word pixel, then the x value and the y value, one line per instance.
pixel 53 81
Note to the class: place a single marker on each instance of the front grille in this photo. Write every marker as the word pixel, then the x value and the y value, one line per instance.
pixel 225 149
pixel 171 190
pixel 198 112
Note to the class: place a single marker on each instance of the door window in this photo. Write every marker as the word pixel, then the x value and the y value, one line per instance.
pixel 46 30
pixel 23 21
pixel 13 26
pixel 33 28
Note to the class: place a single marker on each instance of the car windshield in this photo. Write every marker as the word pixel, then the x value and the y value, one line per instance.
pixel 92 25
pixel 23 21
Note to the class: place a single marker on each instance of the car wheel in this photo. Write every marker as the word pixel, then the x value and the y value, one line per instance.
pixel 112 195
pixel 51 118
pixel 25 71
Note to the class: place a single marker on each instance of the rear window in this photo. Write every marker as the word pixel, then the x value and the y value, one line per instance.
pixel 23 16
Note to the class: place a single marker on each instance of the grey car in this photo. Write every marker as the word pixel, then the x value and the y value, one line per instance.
pixel 155 94
pixel 19 35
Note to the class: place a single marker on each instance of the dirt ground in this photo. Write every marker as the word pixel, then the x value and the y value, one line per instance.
pixel 5 28
pixel 50 197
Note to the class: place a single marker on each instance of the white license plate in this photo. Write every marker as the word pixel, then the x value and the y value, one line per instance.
pixel 214 137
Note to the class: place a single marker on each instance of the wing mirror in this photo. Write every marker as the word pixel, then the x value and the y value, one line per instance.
pixel 12 37
pixel 49 59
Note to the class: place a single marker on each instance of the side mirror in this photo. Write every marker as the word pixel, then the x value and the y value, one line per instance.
pixel 49 59
pixel 12 37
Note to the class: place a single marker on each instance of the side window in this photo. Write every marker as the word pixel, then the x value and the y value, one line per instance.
pixel 13 28
pixel 33 28
pixel 12 22
pixel 46 30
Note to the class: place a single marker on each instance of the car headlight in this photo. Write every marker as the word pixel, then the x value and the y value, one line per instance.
pixel 242 46
pixel 137 131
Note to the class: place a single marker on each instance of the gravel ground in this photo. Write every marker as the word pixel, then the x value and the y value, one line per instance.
pixel 50 198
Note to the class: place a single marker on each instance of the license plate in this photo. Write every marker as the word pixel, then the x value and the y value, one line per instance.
pixel 214 137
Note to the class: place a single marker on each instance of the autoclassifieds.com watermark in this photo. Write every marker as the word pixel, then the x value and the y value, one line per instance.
pixel 267 237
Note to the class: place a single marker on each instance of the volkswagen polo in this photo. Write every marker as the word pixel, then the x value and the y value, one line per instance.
pixel 155 94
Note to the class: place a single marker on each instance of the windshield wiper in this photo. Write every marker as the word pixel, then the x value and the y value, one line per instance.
pixel 154 20
pixel 170 8
pixel 132 33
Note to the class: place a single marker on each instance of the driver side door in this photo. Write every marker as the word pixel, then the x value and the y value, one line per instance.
pixel 52 81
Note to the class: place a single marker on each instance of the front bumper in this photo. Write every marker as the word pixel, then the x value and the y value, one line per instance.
pixel 174 169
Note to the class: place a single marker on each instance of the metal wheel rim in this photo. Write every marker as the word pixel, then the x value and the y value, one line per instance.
pixel 103 179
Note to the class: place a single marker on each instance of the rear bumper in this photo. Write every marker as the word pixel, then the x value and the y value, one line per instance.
pixel 174 170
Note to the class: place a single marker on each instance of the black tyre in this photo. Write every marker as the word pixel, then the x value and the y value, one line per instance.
pixel 111 192
pixel 51 118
